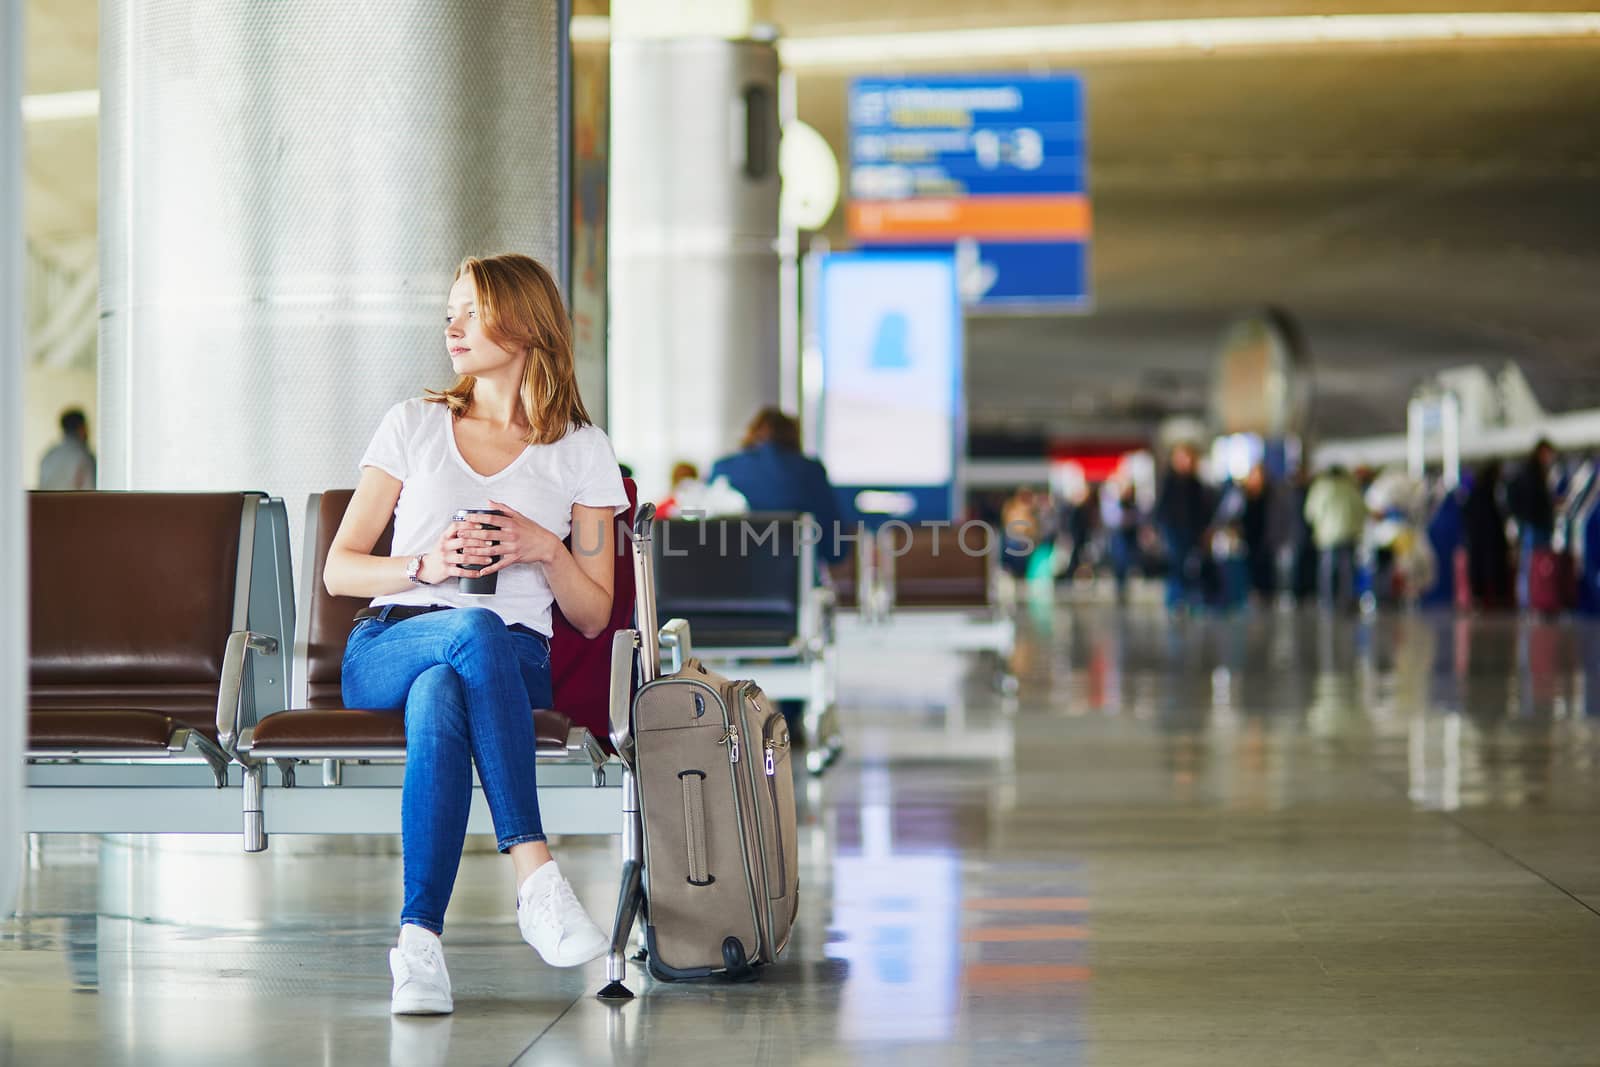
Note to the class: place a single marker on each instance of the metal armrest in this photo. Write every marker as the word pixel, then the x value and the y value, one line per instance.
pixel 674 639
pixel 231 688
pixel 623 644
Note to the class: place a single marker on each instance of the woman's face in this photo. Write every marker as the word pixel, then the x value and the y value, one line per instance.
pixel 471 351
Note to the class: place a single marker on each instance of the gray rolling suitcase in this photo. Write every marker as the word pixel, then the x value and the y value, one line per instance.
pixel 716 795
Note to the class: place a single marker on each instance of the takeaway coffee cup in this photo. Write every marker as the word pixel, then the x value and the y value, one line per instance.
pixel 476 586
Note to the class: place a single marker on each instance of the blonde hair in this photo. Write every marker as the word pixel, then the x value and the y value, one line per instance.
pixel 519 305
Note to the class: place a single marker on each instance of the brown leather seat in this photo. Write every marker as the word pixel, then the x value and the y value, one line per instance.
pixel 351 729
pixel 131 604
pixel 948 578
pixel 324 727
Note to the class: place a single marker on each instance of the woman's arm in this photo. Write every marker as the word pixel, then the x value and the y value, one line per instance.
pixel 581 578
pixel 352 569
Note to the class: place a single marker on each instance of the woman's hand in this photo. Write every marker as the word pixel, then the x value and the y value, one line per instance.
pixel 520 540
pixel 460 544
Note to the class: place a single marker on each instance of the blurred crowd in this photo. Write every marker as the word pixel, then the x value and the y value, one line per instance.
pixel 1342 538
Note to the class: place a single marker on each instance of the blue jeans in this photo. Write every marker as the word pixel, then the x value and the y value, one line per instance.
pixel 1122 546
pixel 1183 573
pixel 1336 576
pixel 467 684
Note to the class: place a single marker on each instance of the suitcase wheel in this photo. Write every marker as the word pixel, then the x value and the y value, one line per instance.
pixel 736 968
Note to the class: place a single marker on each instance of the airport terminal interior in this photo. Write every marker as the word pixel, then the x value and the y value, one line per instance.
pixel 1186 653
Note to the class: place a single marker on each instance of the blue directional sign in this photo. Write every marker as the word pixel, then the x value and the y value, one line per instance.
pixel 993 168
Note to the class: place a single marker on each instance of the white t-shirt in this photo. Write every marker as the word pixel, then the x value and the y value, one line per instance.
pixel 416 444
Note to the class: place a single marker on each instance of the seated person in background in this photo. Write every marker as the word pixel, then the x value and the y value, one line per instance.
pixel 690 498
pixel 772 475
pixel 682 475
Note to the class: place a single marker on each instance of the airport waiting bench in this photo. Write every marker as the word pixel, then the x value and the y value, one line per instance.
pixel 747 588
pixel 158 625
pixel 930 588
pixel 159 668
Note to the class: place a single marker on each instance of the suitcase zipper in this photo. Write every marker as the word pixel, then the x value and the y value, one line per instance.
pixel 732 740
pixel 777 823
pixel 760 895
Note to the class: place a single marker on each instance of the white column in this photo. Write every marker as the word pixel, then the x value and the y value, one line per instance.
pixel 693 234
pixel 13 502
pixel 286 190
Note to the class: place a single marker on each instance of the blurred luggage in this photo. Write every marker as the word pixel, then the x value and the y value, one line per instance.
pixel 1461 577
pixel 1550 581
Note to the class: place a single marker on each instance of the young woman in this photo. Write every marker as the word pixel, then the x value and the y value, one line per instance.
pixel 512 435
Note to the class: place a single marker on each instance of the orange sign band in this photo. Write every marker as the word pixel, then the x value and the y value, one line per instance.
pixel 996 218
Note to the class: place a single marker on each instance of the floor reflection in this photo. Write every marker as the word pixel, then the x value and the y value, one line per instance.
pixel 1176 839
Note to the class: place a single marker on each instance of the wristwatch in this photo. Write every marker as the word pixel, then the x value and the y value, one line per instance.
pixel 414 570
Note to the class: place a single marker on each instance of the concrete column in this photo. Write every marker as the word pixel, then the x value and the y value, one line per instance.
pixel 13 502
pixel 693 242
pixel 286 189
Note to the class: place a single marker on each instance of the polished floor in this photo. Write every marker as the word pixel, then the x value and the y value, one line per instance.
pixel 1275 838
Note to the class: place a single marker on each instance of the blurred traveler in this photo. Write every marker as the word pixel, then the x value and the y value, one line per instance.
pixel 1337 515
pixel 69 464
pixel 1255 526
pixel 1488 552
pixel 1021 531
pixel 1080 527
pixel 1119 513
pixel 773 475
pixel 511 434
pixel 1183 511
pixel 1533 505
pixel 1302 545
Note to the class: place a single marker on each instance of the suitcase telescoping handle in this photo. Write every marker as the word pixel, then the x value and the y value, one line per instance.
pixel 644 583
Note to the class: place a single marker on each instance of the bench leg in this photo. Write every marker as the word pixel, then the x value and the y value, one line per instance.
pixel 628 902
pixel 255 831
pixel 630 899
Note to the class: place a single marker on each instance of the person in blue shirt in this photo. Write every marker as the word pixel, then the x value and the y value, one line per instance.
pixel 773 475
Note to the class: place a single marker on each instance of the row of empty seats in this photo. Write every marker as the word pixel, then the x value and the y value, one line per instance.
pixel 167 664
pixel 929 588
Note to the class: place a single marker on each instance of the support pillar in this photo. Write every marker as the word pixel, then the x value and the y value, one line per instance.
pixel 13 501
pixel 693 243
pixel 286 190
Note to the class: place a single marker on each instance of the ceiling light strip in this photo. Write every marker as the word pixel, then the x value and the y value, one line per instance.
pixel 887 50
pixel 880 51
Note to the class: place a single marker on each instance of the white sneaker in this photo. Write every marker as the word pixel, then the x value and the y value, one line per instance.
pixel 553 921
pixel 421 983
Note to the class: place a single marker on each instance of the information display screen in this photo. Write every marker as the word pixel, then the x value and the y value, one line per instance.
pixel 890 332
